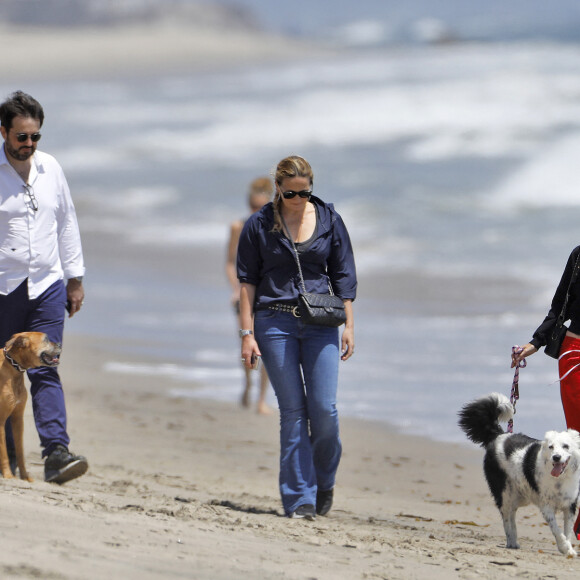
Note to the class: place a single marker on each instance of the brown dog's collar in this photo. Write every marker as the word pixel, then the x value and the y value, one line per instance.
pixel 13 362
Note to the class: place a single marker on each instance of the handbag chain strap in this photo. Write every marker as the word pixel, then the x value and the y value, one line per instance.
pixel 295 252
pixel 297 258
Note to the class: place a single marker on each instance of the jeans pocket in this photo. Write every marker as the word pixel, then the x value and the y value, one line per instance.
pixel 265 314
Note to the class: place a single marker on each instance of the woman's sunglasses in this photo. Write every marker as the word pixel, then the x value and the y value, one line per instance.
pixel 304 194
pixel 23 137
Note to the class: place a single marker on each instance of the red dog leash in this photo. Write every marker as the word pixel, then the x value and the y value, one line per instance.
pixel 515 385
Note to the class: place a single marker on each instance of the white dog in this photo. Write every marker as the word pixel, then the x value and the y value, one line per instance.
pixel 521 470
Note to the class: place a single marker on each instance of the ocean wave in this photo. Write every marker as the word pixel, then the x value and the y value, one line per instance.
pixel 175 372
pixel 548 179
pixel 448 103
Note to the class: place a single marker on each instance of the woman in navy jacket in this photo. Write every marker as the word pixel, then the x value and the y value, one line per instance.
pixel 301 360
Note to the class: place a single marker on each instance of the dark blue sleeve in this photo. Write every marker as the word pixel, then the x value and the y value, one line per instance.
pixel 341 266
pixel 249 259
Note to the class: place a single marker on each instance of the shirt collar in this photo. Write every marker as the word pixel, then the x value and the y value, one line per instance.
pixel 3 158
pixel 36 162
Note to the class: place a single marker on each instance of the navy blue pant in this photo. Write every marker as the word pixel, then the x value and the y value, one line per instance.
pixel 18 313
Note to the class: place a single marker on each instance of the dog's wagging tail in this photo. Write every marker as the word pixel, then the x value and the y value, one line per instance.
pixel 480 421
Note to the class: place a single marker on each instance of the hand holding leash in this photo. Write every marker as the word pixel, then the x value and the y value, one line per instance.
pixel 521 353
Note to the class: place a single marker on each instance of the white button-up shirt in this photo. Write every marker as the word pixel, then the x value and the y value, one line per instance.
pixel 43 246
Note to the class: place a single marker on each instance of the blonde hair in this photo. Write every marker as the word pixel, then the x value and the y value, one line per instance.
pixel 292 166
pixel 261 187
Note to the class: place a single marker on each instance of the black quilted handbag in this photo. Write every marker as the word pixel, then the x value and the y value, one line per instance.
pixel 319 309
pixel 555 340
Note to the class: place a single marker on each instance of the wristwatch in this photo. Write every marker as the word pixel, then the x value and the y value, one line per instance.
pixel 245 333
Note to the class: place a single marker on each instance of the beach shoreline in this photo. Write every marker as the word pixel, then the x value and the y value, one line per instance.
pixel 143 50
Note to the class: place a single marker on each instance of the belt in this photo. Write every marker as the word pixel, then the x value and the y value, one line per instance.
pixel 290 308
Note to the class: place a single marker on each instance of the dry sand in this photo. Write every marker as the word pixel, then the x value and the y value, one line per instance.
pixel 188 488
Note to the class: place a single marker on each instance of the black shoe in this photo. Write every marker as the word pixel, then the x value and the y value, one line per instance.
pixel 324 501
pixel 305 511
pixel 62 466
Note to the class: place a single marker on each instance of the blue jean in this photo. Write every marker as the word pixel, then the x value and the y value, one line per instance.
pixel 44 314
pixel 302 363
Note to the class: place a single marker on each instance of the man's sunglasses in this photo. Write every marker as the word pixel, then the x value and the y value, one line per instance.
pixel 304 194
pixel 23 137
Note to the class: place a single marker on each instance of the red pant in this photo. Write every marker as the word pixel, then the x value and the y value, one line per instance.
pixel 570 390
pixel 570 385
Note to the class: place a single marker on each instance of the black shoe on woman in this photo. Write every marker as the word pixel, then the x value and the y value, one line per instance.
pixel 305 511
pixel 324 501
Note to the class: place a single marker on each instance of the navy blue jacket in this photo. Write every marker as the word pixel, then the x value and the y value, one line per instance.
pixel 266 259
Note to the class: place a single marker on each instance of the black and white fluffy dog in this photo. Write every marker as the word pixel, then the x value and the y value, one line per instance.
pixel 521 470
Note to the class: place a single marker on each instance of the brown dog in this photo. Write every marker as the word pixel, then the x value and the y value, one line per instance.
pixel 25 350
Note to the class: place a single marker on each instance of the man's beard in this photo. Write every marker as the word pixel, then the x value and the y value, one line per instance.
pixel 18 154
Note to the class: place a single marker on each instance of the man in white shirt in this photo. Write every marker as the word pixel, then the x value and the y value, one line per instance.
pixel 40 248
